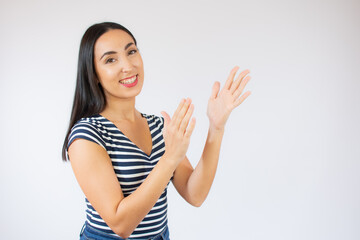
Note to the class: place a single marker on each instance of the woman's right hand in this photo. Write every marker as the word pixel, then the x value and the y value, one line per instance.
pixel 177 131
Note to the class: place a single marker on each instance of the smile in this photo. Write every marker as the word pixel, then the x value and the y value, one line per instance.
pixel 129 82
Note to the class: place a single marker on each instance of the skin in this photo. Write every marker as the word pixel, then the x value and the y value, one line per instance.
pixel 91 163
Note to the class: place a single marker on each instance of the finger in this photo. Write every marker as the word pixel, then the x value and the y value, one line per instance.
pixel 182 113
pixel 238 80
pixel 179 108
pixel 166 117
pixel 215 90
pixel 231 78
pixel 190 129
pixel 241 99
pixel 240 89
pixel 185 121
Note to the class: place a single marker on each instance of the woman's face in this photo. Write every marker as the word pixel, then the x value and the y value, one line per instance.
pixel 118 65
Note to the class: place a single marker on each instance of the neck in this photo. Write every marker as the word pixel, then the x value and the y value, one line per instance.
pixel 117 110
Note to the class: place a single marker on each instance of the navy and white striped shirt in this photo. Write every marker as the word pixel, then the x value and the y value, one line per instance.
pixel 131 166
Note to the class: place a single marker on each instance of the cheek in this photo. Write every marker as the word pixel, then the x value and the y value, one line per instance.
pixel 109 72
pixel 138 63
pixel 106 73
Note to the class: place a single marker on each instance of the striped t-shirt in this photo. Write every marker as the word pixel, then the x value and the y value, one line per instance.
pixel 131 166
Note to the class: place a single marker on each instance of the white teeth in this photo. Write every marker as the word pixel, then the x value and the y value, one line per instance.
pixel 128 81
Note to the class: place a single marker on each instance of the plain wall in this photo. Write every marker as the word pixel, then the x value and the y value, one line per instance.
pixel 289 164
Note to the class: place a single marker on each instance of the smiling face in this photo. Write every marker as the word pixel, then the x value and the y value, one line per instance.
pixel 118 65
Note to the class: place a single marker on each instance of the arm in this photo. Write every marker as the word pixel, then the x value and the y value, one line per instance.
pixel 95 175
pixel 194 185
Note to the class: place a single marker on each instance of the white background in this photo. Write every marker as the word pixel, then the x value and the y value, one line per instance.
pixel 290 160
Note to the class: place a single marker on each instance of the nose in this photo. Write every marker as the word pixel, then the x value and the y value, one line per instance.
pixel 127 65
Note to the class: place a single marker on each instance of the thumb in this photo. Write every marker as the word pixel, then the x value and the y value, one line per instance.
pixel 166 118
pixel 215 90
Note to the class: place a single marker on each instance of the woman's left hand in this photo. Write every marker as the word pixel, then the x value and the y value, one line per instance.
pixel 222 103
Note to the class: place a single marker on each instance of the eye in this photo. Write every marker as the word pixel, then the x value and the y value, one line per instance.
pixel 110 60
pixel 131 52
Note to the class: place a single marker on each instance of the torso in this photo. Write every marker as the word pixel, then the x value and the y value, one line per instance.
pixel 130 164
pixel 138 132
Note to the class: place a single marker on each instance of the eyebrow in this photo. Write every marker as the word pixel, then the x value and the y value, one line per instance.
pixel 114 52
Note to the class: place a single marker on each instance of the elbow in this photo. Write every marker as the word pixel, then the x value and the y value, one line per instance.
pixel 122 228
pixel 121 225
pixel 123 233
pixel 197 205
pixel 197 202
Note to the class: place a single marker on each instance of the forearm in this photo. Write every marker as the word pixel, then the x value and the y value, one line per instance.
pixel 132 209
pixel 202 177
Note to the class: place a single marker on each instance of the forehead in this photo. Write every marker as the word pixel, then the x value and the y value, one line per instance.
pixel 113 40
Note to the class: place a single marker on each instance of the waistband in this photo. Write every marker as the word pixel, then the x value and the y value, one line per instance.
pixel 164 234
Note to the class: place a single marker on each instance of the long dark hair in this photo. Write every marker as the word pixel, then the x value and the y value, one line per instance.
pixel 89 96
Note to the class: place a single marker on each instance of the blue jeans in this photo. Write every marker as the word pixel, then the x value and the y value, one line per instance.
pixel 90 233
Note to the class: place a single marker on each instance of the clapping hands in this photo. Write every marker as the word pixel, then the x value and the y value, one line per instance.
pixel 223 102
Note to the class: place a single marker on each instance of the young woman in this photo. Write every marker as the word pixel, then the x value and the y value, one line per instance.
pixel 124 160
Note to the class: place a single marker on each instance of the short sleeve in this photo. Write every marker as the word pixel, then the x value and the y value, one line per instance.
pixel 161 127
pixel 87 131
pixel 162 123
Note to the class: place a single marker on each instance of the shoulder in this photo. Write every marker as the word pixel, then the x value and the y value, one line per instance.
pixel 89 128
pixel 91 124
pixel 154 120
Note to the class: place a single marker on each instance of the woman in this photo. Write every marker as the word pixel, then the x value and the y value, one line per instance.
pixel 123 160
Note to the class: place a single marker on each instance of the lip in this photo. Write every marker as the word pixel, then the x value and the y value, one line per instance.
pixel 131 84
pixel 128 77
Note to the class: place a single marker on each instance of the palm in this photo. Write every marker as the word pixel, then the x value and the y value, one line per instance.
pixel 221 103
